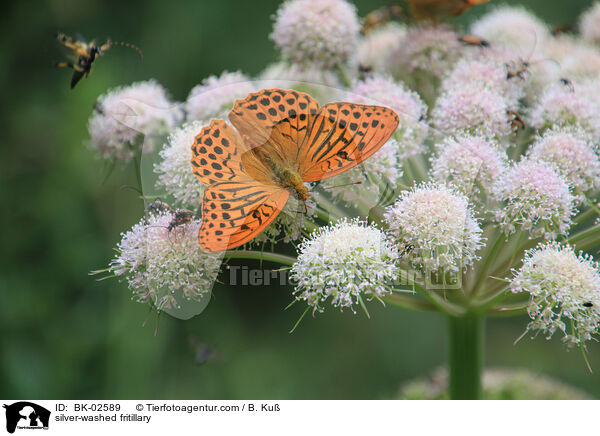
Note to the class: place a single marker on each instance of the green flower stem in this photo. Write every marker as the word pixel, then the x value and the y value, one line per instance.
pixel 490 257
pixel 261 255
pixel 138 175
pixel 417 166
pixel 592 205
pixel 592 232
pixel 583 216
pixel 329 207
pixel 465 356
pixel 346 80
pixel 410 303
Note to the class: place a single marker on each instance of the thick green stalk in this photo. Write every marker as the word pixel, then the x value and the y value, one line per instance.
pixel 465 356
pixel 260 255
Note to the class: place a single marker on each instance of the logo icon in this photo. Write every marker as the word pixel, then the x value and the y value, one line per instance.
pixel 26 415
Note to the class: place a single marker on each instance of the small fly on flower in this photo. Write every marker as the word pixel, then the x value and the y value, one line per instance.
pixel 381 16
pixel 588 304
pixel 158 206
pixel 567 83
pixel 85 54
pixel 181 216
pixel 516 121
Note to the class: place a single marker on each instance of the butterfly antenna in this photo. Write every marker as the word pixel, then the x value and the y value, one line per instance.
pixel 340 186
pixel 131 46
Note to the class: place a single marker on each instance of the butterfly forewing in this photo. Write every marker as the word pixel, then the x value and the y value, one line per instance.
pixel 217 154
pixel 277 117
pixel 342 136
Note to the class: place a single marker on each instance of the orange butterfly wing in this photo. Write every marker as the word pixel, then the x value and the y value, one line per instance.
pixel 236 207
pixel 342 136
pixel 276 121
pixel 233 213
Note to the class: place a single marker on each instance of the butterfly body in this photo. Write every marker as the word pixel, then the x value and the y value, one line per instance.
pixel 280 140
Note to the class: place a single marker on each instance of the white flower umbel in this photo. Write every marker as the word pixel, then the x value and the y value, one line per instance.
pixel 470 163
pixel 412 128
pixel 128 116
pixel 565 292
pixel 367 182
pixel 434 227
pixel 514 28
pixel 215 96
pixel 377 46
pixel 165 268
pixel 472 109
pixel 589 24
pixel 310 78
pixel 564 105
pixel 175 171
pixel 537 199
pixel 486 73
pixel 430 49
pixel 321 32
pixel 571 150
pixel 342 263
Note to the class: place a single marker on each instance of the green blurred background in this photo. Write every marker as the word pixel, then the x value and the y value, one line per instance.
pixel 65 335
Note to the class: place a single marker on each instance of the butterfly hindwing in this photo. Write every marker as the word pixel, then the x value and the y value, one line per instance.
pixel 343 135
pixel 235 212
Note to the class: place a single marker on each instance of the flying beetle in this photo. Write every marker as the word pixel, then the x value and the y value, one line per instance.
pixel 85 54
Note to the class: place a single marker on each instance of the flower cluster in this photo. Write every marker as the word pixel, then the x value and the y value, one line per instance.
pixel 320 32
pixel 564 105
pixel 565 292
pixel 125 117
pixel 434 228
pixel 173 170
pixel 214 98
pixel 343 263
pixel 164 266
pixel 472 164
pixel 570 149
pixel 537 199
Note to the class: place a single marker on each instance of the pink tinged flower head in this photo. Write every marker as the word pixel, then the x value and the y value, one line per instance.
pixel 342 263
pixel 412 128
pixel 581 61
pixel 589 24
pixel 215 96
pixel 437 222
pixel 571 150
pixel 320 32
pixel 473 110
pixel 174 168
pixel 565 292
pixel 485 73
pixel 564 105
pixel 163 267
pixel 128 116
pixel 431 49
pixel 472 164
pixel 537 199
pixel 513 28
pixel 375 49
